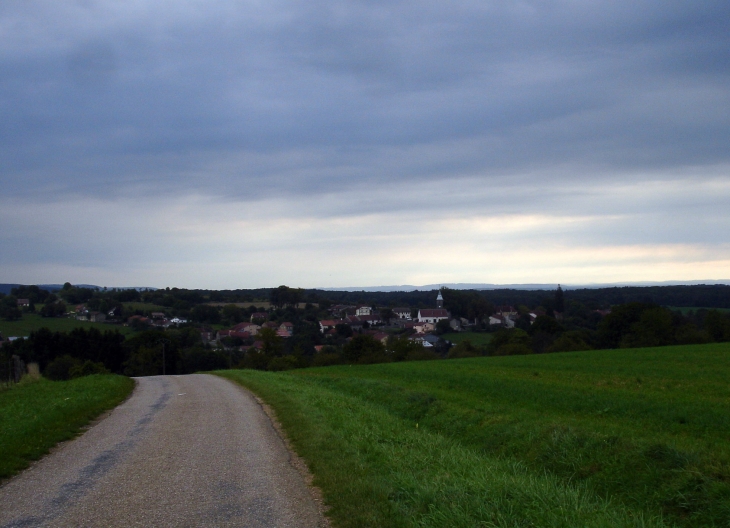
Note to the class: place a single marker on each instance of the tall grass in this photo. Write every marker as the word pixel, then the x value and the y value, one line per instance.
pixel 36 415
pixel 622 438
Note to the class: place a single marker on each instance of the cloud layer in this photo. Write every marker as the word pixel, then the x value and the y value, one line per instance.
pixel 237 144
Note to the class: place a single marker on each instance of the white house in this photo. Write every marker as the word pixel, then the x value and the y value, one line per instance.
pixel 422 328
pixel 364 310
pixel 432 315
pixel 251 328
pixel 402 312
pixel 496 320
pixel 329 324
pixel 502 320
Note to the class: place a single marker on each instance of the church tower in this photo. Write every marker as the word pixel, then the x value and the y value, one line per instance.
pixel 439 300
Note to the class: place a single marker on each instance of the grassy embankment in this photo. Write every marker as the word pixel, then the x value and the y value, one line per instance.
pixel 602 438
pixel 32 322
pixel 36 415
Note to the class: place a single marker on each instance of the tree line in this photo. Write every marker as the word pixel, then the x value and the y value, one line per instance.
pixel 631 325
pixel 567 322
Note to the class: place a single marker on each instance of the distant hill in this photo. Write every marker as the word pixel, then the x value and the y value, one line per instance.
pixel 532 287
pixel 6 288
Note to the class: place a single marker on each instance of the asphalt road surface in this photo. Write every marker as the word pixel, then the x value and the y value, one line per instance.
pixel 182 451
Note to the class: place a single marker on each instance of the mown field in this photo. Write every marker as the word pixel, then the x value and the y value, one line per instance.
pixel 634 437
pixel 32 322
pixel 36 415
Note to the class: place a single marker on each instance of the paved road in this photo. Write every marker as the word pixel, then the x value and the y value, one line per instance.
pixel 182 451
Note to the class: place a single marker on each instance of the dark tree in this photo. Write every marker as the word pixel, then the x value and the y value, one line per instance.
pixel 443 327
pixel 717 325
pixel 364 349
pixel 204 313
pixel 344 330
pixel 285 296
pixel 617 324
pixel 546 325
pixel 559 303
pixel 9 308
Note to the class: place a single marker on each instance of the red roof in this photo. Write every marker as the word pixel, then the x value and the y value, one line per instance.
pixel 240 327
pixel 433 312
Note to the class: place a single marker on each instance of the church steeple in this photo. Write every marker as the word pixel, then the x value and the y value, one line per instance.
pixel 439 300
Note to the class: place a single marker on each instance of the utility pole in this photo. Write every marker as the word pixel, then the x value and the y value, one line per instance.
pixel 163 341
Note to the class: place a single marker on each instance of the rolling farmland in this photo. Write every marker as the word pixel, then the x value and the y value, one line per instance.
pixel 632 437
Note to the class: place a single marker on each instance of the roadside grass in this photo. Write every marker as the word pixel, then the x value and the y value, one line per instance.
pixel 36 415
pixel 32 322
pixel 478 339
pixel 636 437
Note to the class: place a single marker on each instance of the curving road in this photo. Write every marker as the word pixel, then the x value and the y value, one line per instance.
pixel 182 451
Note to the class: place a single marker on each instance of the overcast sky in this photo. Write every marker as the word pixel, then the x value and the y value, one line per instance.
pixel 238 144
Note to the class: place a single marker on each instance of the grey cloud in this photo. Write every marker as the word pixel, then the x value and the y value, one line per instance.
pixel 165 97
pixel 92 63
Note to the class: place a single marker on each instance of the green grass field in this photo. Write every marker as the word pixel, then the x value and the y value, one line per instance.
pixel 478 339
pixel 35 416
pixel 637 437
pixel 31 322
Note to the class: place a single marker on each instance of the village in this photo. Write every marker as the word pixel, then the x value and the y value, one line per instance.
pixel 422 326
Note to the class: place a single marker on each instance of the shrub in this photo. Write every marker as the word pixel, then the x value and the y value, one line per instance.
pixel 463 350
pixel 325 359
pixel 364 349
pixel 422 354
pixel 60 368
pixel 198 359
pixel 513 349
pixel 254 359
pixel 283 363
pixel 569 342
pixel 87 368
